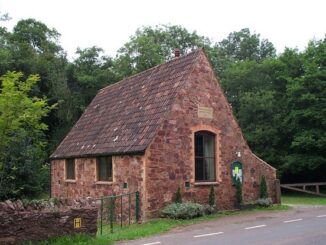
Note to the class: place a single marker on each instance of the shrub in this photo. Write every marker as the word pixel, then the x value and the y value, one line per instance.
pixel 238 186
pixel 208 209
pixel 264 202
pixel 263 188
pixel 178 198
pixel 211 197
pixel 183 210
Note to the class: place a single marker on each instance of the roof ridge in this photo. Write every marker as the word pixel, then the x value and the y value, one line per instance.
pixel 150 69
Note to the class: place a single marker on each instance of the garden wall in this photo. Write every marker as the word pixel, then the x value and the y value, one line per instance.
pixel 35 221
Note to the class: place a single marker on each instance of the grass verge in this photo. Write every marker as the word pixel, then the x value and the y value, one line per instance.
pixel 302 199
pixel 158 226
pixel 151 227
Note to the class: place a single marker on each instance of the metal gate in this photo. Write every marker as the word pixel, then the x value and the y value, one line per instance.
pixel 118 210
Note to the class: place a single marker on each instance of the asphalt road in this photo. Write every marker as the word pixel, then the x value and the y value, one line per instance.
pixel 299 226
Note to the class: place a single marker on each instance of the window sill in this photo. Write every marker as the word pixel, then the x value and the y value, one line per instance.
pixel 205 183
pixel 70 180
pixel 104 182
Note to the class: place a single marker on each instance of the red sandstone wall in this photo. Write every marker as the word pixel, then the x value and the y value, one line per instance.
pixel 127 169
pixel 169 161
pixel 170 156
pixel 20 223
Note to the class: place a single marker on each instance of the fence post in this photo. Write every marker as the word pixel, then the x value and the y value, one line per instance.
pixel 277 191
pixel 129 206
pixel 101 214
pixel 121 212
pixel 137 207
pixel 112 208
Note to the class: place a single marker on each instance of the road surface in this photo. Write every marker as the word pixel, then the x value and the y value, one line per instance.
pixel 300 225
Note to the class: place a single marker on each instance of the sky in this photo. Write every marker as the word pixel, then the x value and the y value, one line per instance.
pixel 109 24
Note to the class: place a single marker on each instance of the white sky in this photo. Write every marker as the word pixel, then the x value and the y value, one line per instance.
pixel 109 24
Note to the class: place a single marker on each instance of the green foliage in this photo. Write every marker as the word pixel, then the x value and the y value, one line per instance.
pixel 22 147
pixel 238 47
pixel 178 197
pixel 183 210
pixel 4 16
pixel 89 72
pixel 243 45
pixel 238 194
pixel 211 197
pixel 263 193
pixel 307 112
pixel 285 96
pixel 264 202
pixel 152 46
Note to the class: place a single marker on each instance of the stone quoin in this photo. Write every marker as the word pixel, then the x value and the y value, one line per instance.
pixel 167 127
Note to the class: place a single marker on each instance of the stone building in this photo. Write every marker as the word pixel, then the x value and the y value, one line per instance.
pixel 167 127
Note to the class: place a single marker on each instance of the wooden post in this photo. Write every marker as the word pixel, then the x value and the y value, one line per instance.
pixel 277 191
pixel 317 189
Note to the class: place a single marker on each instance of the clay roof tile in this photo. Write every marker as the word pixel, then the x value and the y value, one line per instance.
pixel 123 117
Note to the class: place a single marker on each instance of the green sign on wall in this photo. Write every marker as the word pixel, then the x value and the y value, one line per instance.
pixel 237 171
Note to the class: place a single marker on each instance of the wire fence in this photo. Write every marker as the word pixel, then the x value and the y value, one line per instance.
pixel 119 210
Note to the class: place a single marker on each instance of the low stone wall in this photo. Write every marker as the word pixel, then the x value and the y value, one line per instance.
pixel 35 221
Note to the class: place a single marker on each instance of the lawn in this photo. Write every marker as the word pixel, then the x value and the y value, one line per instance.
pixel 152 227
pixel 302 199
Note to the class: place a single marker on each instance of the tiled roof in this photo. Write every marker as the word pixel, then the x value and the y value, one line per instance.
pixel 124 117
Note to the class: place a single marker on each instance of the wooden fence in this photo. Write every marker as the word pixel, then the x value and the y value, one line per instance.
pixel 303 187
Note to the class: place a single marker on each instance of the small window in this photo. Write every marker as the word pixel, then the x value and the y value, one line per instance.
pixel 70 169
pixel 104 169
pixel 204 156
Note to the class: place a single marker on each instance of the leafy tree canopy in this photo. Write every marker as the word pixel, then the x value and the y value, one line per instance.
pixel 152 46
pixel 22 145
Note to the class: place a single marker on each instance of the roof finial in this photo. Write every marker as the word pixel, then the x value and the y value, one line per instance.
pixel 176 52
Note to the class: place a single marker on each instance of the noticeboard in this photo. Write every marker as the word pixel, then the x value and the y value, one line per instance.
pixel 237 171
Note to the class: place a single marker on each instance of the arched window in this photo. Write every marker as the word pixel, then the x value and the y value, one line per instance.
pixel 205 156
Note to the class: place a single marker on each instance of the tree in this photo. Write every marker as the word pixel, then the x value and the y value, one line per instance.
pixel 263 193
pixel 241 46
pixel 4 16
pixel 89 72
pixel 306 118
pixel 152 46
pixel 211 197
pixel 33 48
pixel 22 145
pixel 238 192
pixel 5 55
pixel 178 197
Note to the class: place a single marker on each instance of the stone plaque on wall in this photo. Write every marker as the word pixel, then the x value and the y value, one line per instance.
pixel 205 112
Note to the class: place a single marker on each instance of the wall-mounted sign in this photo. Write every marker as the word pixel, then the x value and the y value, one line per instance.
pixel 237 172
pixel 77 223
pixel 205 112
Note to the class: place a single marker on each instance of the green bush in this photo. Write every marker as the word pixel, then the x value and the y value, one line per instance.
pixel 183 210
pixel 178 198
pixel 211 197
pixel 238 186
pixel 263 188
pixel 208 209
pixel 264 202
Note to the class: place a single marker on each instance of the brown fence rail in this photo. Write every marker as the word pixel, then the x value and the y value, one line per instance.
pixel 302 187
